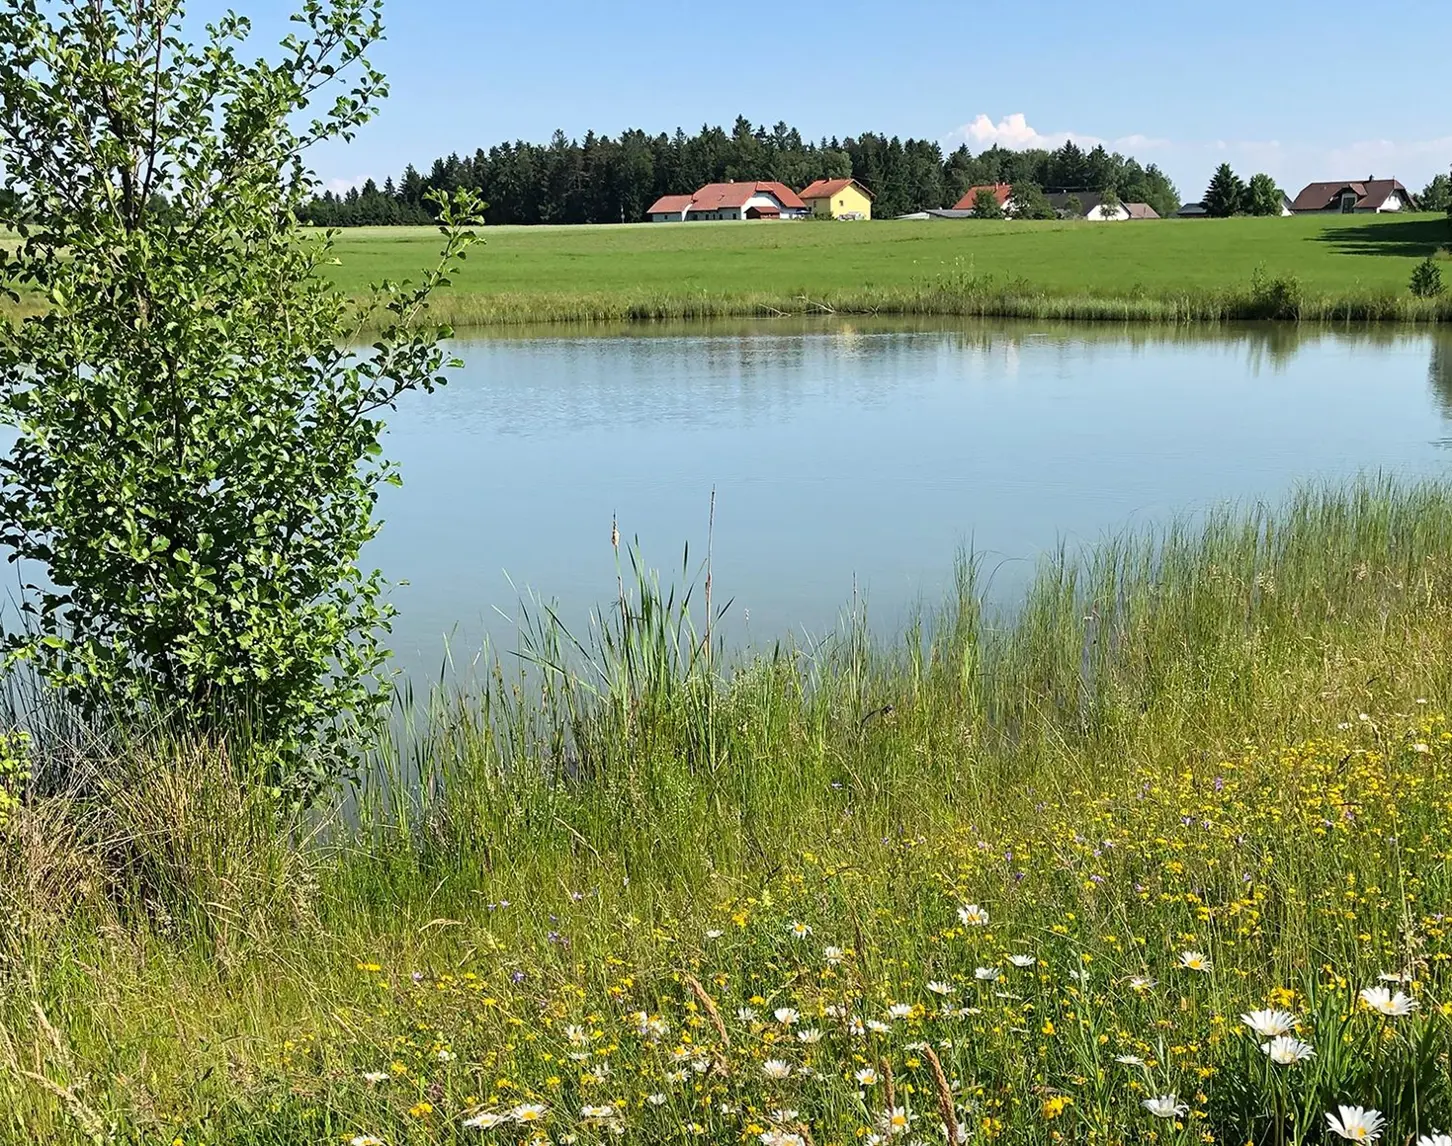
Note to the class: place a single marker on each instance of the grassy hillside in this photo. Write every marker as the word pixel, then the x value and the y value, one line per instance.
pixel 1003 886
pixel 648 270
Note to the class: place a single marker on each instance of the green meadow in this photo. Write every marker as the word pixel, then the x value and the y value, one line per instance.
pixel 1161 856
pixel 1308 267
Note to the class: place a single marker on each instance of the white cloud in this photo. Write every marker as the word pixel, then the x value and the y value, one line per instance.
pixel 1017 134
pixel 1191 162
pixel 343 186
pixel 1012 131
pixel 1420 159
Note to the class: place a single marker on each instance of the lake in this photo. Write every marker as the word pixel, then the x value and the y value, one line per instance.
pixel 860 456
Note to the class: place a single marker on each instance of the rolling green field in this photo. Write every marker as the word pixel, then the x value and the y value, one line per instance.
pixel 1332 266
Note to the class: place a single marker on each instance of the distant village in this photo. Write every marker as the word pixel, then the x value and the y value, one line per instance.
pixel 849 200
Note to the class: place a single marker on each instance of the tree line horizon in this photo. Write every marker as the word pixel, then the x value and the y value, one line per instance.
pixel 600 179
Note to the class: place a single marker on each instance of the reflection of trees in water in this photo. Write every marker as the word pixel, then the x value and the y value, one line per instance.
pixel 1439 374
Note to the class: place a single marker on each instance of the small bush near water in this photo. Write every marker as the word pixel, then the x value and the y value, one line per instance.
pixel 1427 279
pixel 1160 856
pixel 196 449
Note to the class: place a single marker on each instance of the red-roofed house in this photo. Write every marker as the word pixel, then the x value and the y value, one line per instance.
pixel 669 209
pixel 838 199
pixel 1003 192
pixel 1354 197
pixel 730 201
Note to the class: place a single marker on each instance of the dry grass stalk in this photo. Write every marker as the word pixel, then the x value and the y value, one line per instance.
pixel 709 1004
pixel 889 1089
pixel 945 1096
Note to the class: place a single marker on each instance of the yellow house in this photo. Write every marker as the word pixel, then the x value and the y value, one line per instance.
pixel 838 199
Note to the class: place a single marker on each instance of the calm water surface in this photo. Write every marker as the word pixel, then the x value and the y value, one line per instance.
pixel 861 454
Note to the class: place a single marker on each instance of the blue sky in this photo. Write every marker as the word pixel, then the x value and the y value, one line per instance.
pixel 1292 87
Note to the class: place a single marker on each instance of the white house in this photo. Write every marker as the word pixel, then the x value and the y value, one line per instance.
pixel 1354 197
pixel 739 201
pixel 1091 206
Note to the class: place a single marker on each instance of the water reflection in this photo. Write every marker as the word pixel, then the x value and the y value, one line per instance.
pixel 865 451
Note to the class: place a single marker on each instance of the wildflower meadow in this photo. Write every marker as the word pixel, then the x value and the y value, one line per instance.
pixel 1159 855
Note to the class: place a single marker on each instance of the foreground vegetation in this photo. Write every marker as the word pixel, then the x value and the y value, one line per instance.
pixel 1330 268
pixel 1003 880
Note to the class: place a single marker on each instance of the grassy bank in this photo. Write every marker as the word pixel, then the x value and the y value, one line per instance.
pixel 666 894
pixel 1333 268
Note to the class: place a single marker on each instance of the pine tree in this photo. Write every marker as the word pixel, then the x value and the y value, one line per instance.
pixel 1226 195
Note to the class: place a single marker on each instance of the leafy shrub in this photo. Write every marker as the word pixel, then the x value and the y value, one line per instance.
pixel 1280 297
pixel 197 452
pixel 1427 279
pixel 14 771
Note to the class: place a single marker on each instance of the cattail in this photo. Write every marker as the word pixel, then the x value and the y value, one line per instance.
pixel 945 1096
pixel 614 533
pixel 888 1089
pixel 710 1007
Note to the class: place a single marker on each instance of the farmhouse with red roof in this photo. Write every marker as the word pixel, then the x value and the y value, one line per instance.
pixel 746 200
pixel 1354 197
pixel 838 199
pixel 1003 192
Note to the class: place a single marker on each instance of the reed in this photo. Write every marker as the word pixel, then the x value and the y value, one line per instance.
pixel 1019 301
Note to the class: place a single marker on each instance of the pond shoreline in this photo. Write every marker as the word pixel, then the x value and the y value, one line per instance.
pixel 1278 301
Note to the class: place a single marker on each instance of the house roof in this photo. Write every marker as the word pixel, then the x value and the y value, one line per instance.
pixel 1001 192
pixel 938 213
pixel 669 205
pixel 1088 200
pixel 1141 211
pixel 719 196
pixel 1370 193
pixel 826 188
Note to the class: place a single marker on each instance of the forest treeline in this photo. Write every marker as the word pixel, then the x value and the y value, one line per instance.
pixel 614 180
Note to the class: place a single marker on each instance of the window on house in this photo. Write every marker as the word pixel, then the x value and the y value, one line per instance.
pixel 1348 203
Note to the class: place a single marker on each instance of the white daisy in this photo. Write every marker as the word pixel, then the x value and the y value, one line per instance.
pixel 1356 1124
pixel 486 1120
pixel 1285 1050
pixel 1384 1002
pixel 1166 1106
pixel 1023 961
pixel 972 915
pixel 1196 961
pixel 1271 1024
pixel 775 1068
pixel 786 1016
pixel 987 974
pixel 940 988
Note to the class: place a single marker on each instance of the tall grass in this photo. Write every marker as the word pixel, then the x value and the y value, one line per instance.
pixel 181 957
pixel 948 298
